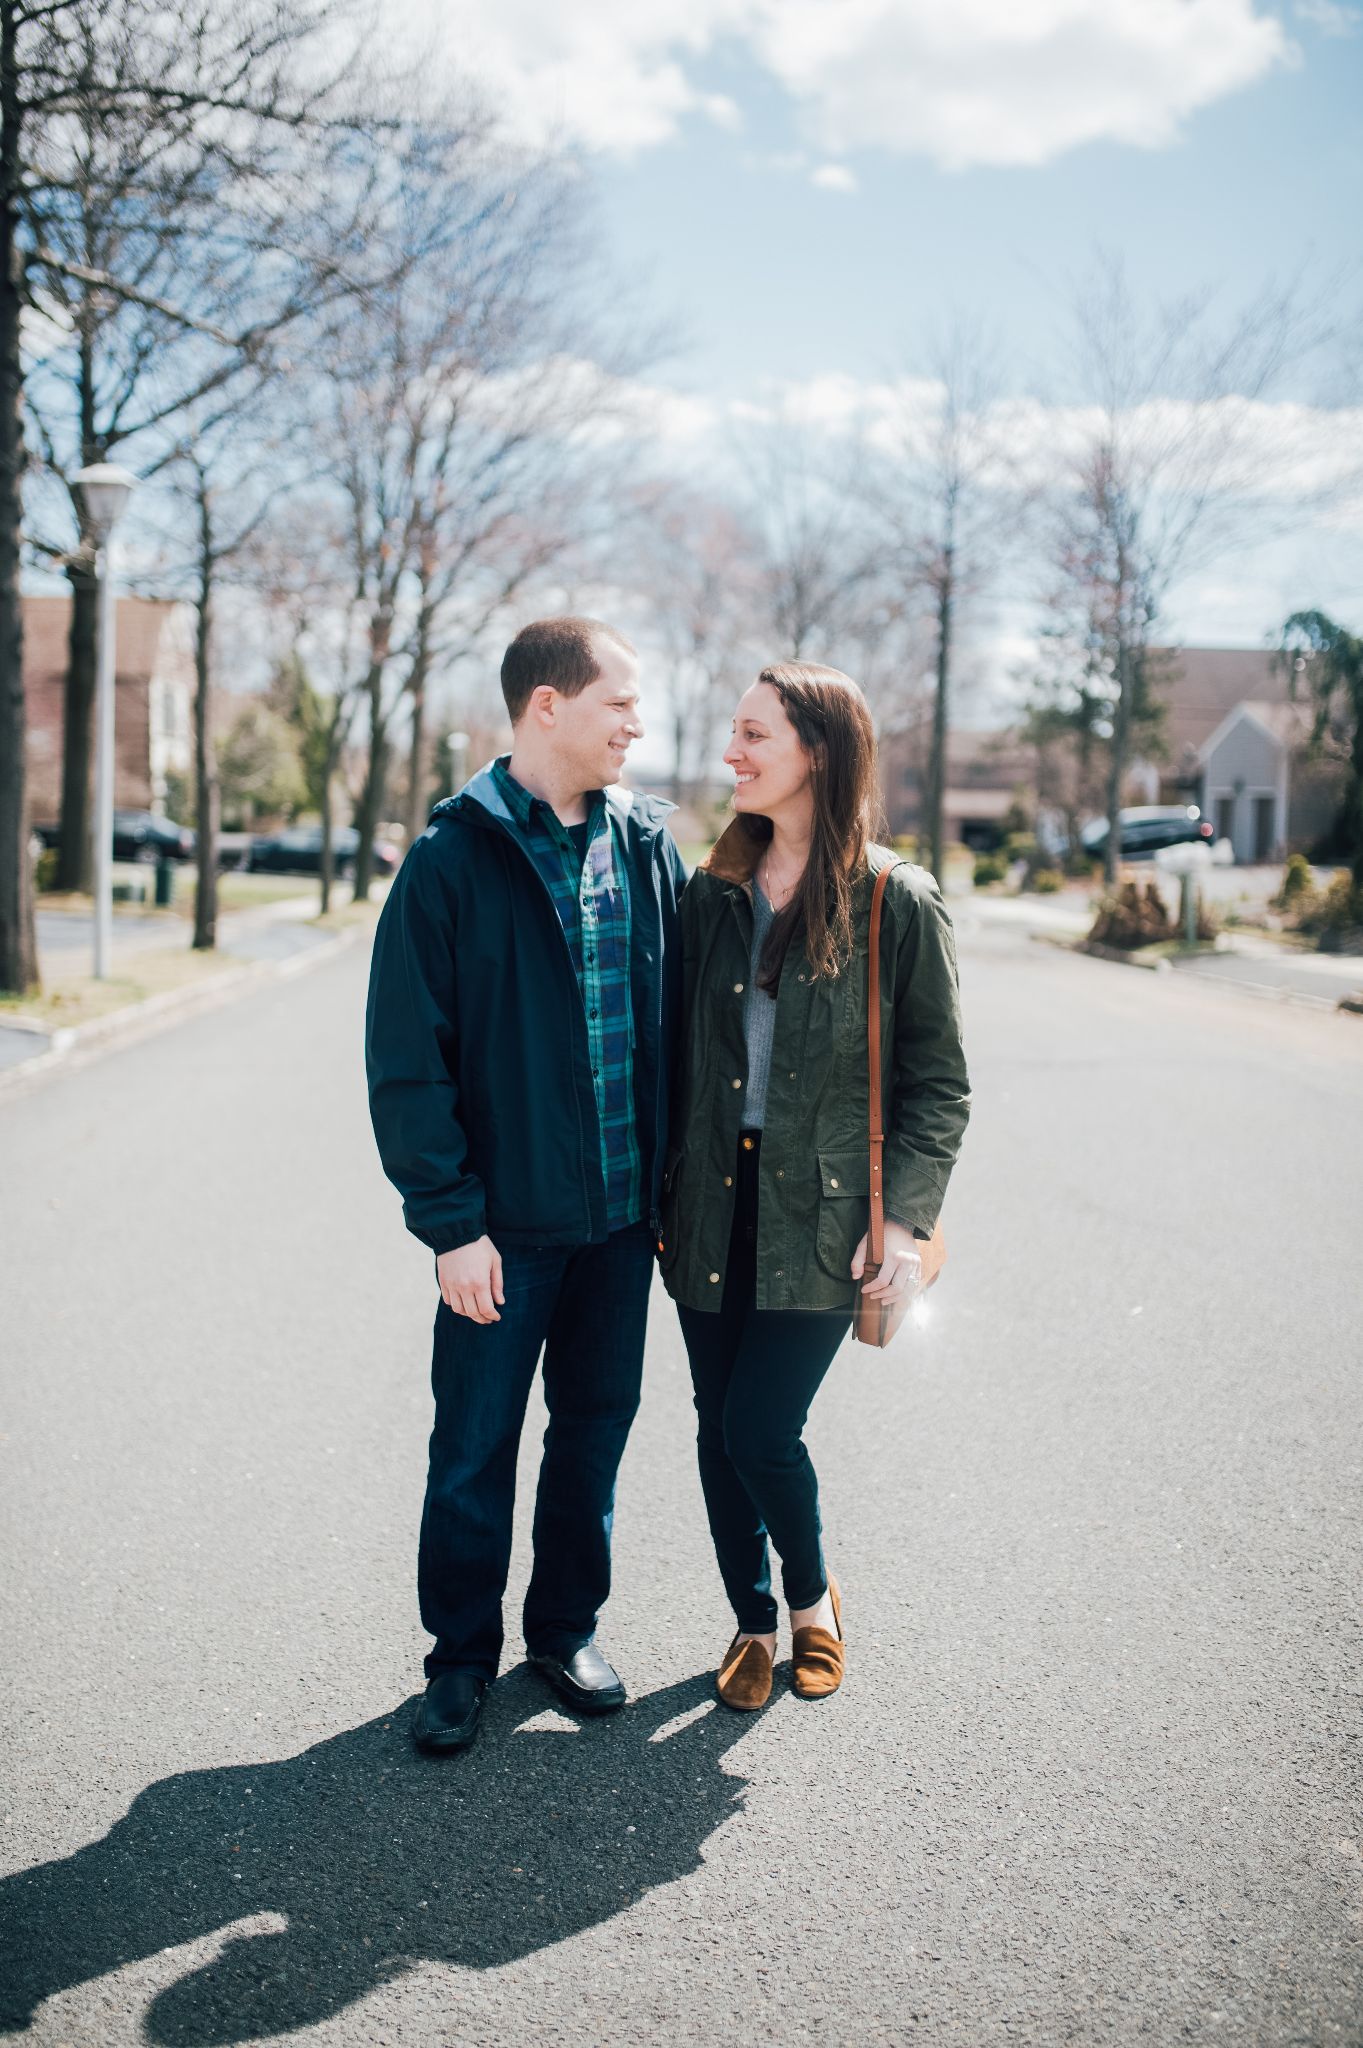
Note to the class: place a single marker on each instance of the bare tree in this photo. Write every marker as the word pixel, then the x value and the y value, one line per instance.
pixel 1163 473
pixel 177 205
pixel 150 187
pixel 469 403
pixel 304 578
pixel 701 572
pixel 818 559
pixel 18 949
pixel 226 488
pixel 944 492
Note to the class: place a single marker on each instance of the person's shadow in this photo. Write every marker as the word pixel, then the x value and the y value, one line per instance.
pixel 378 1858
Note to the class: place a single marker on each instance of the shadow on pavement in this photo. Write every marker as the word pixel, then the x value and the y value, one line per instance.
pixel 378 1858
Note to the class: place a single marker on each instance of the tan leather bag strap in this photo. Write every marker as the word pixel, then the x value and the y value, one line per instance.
pixel 875 1247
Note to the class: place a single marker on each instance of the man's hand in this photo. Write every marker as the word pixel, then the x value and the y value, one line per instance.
pixel 471 1280
pixel 901 1275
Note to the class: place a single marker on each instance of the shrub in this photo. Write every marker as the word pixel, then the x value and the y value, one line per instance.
pixel 1046 881
pixel 1338 915
pixel 1136 916
pixel 989 869
pixel 905 843
pixel 45 871
pixel 1298 884
pixel 1017 818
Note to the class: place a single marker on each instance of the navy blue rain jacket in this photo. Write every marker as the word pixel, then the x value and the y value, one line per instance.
pixel 480 1082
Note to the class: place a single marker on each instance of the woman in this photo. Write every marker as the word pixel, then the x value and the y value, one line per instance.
pixel 766 1194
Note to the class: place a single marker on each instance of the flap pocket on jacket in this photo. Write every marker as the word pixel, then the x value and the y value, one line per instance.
pixel 845 1173
pixel 670 1165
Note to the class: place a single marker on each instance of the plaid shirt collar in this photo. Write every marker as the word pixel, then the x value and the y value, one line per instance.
pixel 527 809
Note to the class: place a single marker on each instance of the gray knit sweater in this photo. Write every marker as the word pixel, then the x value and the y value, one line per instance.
pixel 759 1019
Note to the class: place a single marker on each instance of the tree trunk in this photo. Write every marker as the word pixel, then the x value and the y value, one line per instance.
pixel 206 792
pixel 371 796
pixel 76 857
pixel 367 815
pixel 1121 740
pixel 1355 764
pixel 75 861
pixel 18 949
pixel 325 859
pixel 416 790
pixel 937 759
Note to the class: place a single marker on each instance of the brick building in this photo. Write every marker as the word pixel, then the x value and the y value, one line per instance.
pixel 153 700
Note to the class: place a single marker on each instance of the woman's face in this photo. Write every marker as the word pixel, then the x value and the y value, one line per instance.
pixel 765 754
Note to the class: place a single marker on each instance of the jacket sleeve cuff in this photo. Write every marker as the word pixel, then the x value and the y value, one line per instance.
pixel 448 1237
pixel 913 1197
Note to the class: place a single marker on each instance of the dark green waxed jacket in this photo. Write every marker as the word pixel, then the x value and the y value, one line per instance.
pixel 814 1171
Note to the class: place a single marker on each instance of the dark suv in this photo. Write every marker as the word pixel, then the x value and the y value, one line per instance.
pixel 298 851
pixel 1147 828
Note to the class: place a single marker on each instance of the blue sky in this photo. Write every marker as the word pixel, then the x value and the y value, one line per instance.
pixel 812 188
pixel 774 277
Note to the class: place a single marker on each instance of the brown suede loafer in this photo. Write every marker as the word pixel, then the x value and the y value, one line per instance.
pixel 818 1660
pixel 744 1678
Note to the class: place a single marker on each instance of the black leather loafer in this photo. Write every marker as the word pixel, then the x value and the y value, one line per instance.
pixel 586 1681
pixel 449 1711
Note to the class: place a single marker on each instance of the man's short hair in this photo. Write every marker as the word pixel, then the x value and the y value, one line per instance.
pixel 558 652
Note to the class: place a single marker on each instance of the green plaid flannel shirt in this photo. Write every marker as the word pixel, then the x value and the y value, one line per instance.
pixel 592 901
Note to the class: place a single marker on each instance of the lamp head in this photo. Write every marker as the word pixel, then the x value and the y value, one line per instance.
pixel 105 490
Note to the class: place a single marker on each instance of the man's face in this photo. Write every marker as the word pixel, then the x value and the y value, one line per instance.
pixel 593 730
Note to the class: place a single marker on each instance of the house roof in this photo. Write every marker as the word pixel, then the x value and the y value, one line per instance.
pixel 1200 685
pixel 1288 724
pixel 138 629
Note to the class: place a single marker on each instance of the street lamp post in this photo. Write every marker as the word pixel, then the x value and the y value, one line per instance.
pixel 105 490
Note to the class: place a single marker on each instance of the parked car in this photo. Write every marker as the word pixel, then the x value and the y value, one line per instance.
pixel 298 851
pixel 139 835
pixel 1148 827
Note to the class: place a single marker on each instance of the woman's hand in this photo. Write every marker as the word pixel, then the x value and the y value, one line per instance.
pixel 902 1273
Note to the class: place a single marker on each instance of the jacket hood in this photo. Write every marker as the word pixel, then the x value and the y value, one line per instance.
pixel 481 792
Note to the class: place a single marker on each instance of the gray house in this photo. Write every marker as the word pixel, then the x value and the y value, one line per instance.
pixel 1259 786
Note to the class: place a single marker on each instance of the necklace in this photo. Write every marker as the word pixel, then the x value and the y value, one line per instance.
pixel 783 889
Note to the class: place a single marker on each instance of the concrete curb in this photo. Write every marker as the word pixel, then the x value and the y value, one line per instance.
pixel 1097 952
pixel 1351 1004
pixel 78 1044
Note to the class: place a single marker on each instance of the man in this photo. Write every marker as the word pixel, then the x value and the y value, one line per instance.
pixel 522 1005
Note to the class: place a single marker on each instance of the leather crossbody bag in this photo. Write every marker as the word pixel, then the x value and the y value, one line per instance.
pixel 875 1321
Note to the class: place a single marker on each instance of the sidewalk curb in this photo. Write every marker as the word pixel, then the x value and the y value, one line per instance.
pixel 78 1044
pixel 1097 952
pixel 1262 990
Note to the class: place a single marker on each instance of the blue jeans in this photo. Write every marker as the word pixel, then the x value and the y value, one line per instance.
pixel 585 1307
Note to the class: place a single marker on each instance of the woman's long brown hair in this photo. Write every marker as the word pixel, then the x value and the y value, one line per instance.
pixel 833 724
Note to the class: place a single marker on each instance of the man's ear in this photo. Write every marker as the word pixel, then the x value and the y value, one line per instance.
pixel 543 704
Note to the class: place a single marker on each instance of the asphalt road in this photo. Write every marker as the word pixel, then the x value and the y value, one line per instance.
pixel 1094 1776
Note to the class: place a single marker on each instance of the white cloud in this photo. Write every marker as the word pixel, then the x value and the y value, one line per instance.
pixel 834 178
pixel 1328 16
pixel 980 82
pixel 1011 81
pixel 1278 453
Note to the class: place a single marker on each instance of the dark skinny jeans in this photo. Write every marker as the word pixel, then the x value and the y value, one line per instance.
pixel 755 1373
